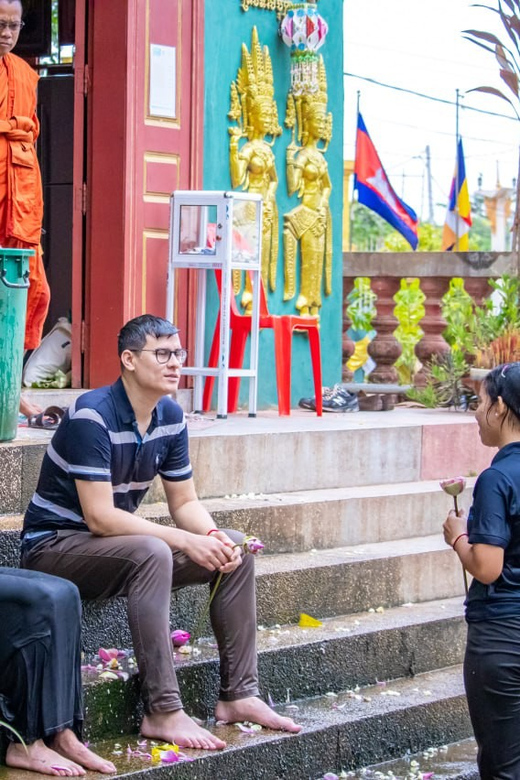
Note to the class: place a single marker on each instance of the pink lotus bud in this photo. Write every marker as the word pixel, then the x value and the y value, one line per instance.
pixel 252 544
pixel 108 655
pixel 453 487
pixel 180 637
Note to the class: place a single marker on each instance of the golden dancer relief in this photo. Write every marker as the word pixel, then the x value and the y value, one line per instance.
pixel 310 223
pixel 252 164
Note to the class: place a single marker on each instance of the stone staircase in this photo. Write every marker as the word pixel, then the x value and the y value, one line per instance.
pixel 350 510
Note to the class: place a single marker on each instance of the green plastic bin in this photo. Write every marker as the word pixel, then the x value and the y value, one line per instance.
pixel 14 283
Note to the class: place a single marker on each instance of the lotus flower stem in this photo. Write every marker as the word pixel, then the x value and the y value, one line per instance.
pixel 204 614
pixel 250 545
pixel 454 487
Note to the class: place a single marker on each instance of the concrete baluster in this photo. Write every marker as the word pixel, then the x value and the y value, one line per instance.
pixel 433 324
pixel 385 349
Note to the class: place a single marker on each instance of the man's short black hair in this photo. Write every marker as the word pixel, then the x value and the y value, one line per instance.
pixel 133 335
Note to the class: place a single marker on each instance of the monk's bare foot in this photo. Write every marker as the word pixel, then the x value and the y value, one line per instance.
pixel 27 408
pixel 37 757
pixel 179 728
pixel 68 745
pixel 254 710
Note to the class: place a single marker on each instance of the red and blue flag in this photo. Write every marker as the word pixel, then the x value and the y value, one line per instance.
pixel 375 191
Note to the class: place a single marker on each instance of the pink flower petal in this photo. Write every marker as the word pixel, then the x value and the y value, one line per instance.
pixel 180 637
pixel 453 487
pixel 107 655
pixel 170 757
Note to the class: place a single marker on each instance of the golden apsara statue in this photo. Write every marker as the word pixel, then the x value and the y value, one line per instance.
pixel 252 164
pixel 310 223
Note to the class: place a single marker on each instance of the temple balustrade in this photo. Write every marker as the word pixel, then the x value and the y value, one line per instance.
pixel 434 271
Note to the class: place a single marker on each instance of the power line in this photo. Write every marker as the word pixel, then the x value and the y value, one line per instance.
pixel 429 97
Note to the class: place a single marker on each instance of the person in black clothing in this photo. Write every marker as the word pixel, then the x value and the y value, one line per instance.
pixel 40 675
pixel 488 545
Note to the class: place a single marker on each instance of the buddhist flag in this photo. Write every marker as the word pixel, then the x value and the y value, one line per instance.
pixel 455 236
pixel 375 191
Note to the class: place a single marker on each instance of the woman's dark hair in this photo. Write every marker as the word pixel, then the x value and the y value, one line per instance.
pixel 133 335
pixel 504 381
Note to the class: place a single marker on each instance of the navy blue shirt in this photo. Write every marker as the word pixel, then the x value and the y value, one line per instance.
pixel 494 519
pixel 98 440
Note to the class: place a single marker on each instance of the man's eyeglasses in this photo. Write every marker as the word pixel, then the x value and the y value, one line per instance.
pixel 163 355
pixel 14 27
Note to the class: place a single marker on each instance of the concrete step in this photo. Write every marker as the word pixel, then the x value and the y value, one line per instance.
pixel 299 663
pixel 323 583
pixel 455 761
pixel 271 454
pixel 309 519
pixel 347 731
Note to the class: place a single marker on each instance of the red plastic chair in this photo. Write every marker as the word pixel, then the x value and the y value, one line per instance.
pixel 283 326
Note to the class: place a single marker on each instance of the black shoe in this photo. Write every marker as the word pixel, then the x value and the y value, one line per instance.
pixel 335 399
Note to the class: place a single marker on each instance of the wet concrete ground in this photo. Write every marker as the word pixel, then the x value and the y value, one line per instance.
pixel 450 762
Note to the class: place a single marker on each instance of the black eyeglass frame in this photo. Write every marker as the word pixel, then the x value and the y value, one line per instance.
pixel 181 354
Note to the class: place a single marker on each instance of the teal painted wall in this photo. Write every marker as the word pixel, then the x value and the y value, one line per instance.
pixel 226 28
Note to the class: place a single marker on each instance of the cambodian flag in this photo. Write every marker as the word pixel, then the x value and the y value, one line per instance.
pixel 375 191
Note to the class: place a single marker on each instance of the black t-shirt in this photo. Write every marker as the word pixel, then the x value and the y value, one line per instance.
pixel 494 519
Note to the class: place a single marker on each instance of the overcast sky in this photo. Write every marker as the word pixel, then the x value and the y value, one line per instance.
pixel 417 45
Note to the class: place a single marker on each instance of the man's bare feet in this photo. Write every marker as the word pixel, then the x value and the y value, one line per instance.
pixel 68 745
pixel 179 728
pixel 37 757
pixel 27 408
pixel 254 710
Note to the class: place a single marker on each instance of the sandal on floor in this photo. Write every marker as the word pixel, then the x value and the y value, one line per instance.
pixel 49 419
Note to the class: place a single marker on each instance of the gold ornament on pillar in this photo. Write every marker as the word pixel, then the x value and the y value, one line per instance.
pixel 252 164
pixel 309 225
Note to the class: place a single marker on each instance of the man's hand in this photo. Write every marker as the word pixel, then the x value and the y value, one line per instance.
pixel 454 525
pixel 236 558
pixel 214 552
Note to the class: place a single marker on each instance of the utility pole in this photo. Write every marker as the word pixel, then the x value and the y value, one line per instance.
pixel 431 218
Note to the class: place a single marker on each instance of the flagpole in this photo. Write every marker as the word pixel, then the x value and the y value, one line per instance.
pixel 457 183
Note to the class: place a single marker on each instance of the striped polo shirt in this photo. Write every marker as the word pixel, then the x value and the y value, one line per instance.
pixel 98 440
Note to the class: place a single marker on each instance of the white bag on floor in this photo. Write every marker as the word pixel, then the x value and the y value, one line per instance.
pixel 53 354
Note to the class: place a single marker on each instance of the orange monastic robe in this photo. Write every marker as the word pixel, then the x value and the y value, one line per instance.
pixel 21 198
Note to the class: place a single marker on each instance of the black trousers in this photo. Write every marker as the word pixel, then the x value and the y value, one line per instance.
pixel 40 654
pixel 492 681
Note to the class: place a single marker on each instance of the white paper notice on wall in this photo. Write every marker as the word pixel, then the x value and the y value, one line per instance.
pixel 162 81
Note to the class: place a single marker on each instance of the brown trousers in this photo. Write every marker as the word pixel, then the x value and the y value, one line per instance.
pixel 145 570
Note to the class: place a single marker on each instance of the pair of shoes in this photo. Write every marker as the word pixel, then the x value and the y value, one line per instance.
pixel 335 399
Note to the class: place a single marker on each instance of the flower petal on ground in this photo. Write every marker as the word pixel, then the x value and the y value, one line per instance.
pixel 306 621
pixel 180 637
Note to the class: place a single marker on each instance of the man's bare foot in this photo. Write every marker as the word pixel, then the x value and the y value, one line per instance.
pixel 27 408
pixel 254 710
pixel 179 728
pixel 68 745
pixel 37 757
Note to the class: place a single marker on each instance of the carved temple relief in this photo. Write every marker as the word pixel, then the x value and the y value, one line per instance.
pixel 309 225
pixel 252 163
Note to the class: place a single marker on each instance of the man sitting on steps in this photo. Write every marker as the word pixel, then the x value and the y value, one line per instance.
pixel 81 525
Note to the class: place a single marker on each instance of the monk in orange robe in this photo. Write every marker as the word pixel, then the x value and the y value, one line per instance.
pixel 21 197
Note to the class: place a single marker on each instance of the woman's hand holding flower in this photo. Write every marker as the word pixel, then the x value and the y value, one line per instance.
pixel 454 525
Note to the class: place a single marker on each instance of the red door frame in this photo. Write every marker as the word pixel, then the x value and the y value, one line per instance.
pixel 80 81
pixel 114 152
